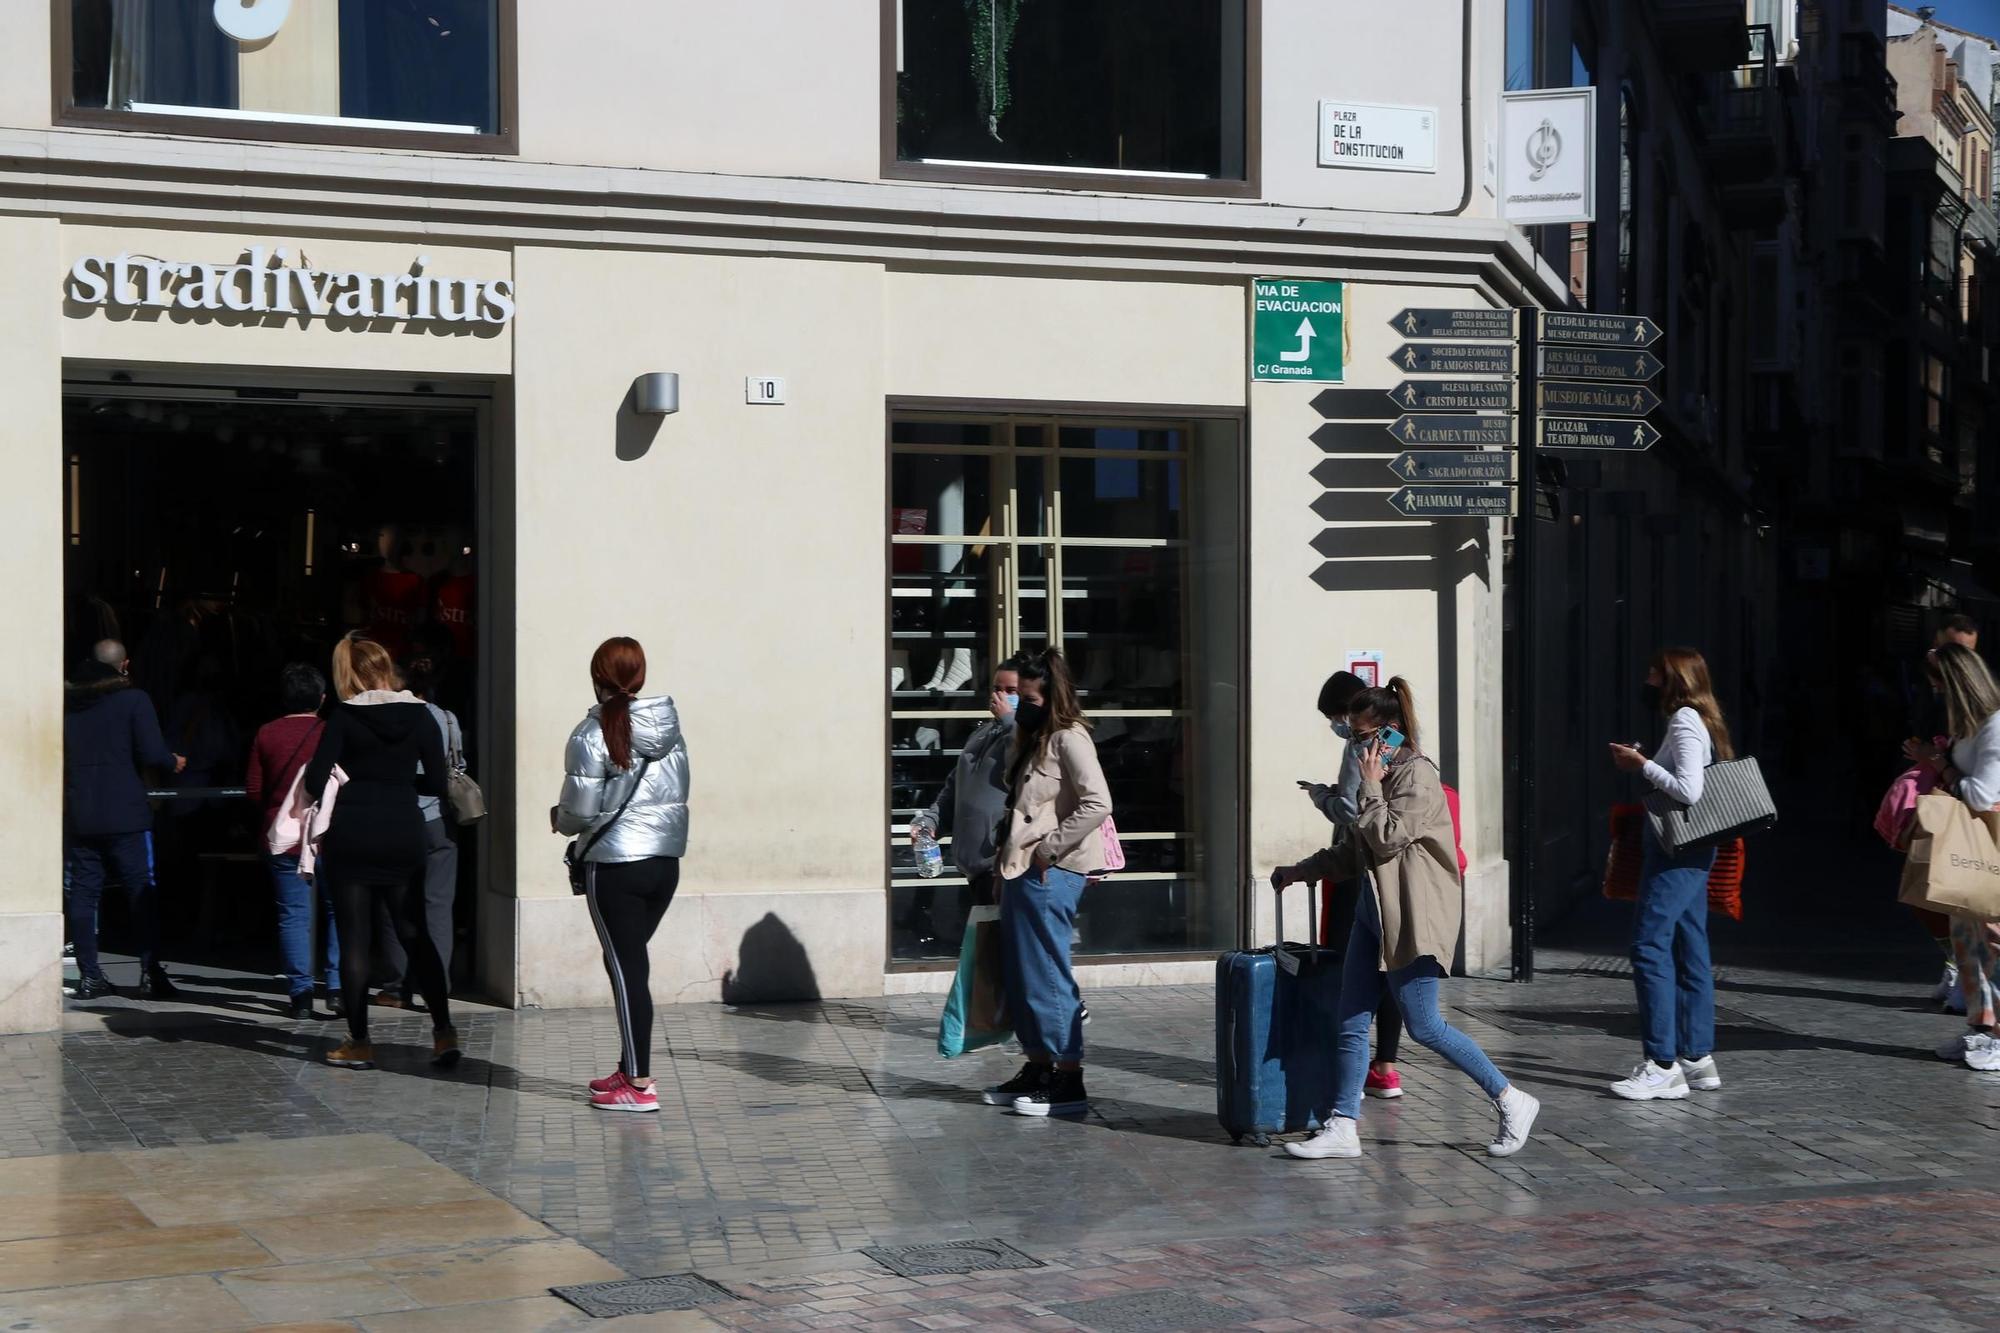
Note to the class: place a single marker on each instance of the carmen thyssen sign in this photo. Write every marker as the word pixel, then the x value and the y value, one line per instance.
pixel 265 284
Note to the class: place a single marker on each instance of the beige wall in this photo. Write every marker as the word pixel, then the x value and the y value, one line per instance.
pixel 31 545
pixel 25 62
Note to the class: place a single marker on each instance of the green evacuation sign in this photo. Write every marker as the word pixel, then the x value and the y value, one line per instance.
pixel 1295 330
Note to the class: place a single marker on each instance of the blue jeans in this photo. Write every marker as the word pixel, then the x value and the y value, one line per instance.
pixel 1415 989
pixel 1037 915
pixel 1670 964
pixel 295 928
pixel 91 862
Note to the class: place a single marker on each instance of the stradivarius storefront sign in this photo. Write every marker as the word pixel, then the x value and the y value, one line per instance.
pixel 266 282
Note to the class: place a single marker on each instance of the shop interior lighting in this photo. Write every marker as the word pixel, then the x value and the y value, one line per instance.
pixel 312 524
pixel 75 500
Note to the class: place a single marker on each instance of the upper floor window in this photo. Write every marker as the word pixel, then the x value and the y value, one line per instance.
pixel 413 73
pixel 1156 94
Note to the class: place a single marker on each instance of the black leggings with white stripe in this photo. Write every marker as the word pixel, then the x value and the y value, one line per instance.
pixel 627 900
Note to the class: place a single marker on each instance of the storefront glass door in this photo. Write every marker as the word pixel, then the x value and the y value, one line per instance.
pixel 1120 541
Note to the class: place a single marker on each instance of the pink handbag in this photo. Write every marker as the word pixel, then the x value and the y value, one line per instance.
pixel 1894 816
pixel 304 824
pixel 1114 851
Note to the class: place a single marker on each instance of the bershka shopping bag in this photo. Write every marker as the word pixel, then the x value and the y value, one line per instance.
pixel 975 1010
pixel 1954 863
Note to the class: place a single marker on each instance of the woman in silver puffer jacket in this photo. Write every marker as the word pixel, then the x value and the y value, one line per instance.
pixel 624 799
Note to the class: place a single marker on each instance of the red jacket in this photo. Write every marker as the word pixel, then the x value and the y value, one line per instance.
pixel 281 749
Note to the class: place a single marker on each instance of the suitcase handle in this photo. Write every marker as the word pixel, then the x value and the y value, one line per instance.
pixel 1312 921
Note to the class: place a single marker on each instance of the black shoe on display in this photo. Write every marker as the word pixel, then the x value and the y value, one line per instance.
pixel 156 985
pixel 302 1009
pixel 1062 1095
pixel 1032 1078
pixel 94 987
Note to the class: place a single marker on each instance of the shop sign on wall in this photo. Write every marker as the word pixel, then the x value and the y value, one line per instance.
pixel 1548 169
pixel 263 282
pixel 1377 138
pixel 1296 331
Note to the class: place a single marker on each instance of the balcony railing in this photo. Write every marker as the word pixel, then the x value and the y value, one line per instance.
pixel 1864 76
pixel 1743 119
pixel 1699 35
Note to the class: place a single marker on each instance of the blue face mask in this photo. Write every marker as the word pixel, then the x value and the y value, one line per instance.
pixel 1342 730
pixel 1013 701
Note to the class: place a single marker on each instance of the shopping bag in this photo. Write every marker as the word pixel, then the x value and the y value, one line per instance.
pixel 1954 863
pixel 975 1010
pixel 1625 862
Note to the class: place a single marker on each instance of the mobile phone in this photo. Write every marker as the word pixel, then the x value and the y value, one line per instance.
pixel 1392 741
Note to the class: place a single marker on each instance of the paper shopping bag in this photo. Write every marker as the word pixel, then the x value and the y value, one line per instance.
pixel 975 1010
pixel 1954 863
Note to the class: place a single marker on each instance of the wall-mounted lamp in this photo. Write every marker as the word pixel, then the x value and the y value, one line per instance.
pixel 657 394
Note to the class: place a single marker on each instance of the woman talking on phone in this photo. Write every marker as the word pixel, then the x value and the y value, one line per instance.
pixel 1670 965
pixel 1406 924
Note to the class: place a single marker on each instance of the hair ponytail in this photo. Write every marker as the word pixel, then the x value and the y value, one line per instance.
pixel 1393 703
pixel 618 668
pixel 1407 702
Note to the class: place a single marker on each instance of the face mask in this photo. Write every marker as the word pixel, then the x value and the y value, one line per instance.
pixel 1013 702
pixel 1650 695
pixel 1343 730
pixel 1029 717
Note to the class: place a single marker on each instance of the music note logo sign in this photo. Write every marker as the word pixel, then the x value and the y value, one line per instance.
pixel 1545 146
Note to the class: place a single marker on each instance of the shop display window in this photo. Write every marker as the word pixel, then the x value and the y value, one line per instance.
pixel 377 71
pixel 1156 91
pixel 1122 542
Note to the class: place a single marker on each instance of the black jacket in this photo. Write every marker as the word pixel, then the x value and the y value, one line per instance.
pixel 110 732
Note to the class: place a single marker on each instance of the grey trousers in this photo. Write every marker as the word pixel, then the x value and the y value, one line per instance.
pixel 440 892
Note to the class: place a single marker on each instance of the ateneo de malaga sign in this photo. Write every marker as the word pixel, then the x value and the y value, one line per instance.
pixel 265 284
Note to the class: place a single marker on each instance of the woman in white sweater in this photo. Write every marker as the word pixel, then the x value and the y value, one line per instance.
pixel 1670 963
pixel 1969 770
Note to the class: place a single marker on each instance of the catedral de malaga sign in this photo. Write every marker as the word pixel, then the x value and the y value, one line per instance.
pixel 264 283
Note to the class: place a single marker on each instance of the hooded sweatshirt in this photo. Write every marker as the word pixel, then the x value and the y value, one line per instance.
pixel 388 745
pixel 655 823
pixel 110 732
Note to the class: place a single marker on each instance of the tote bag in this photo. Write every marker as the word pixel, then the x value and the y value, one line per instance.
pixel 1734 803
pixel 975 1009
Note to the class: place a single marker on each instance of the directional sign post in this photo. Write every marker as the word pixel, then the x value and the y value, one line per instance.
pixel 1624 400
pixel 1595 433
pixel 1452 396
pixel 1296 330
pixel 1454 465
pixel 1454 359
pixel 1446 431
pixel 1577 327
pixel 1492 325
pixel 1600 363
pixel 1453 501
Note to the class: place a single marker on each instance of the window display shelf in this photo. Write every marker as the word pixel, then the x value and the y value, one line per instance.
pixel 963 635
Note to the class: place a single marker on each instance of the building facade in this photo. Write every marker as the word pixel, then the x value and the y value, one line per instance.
pixel 351 325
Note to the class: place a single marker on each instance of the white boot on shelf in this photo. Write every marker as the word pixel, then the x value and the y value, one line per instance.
pixel 928 739
pixel 895 679
pixel 954 668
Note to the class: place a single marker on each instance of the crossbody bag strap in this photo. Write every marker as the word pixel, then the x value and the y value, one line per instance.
pixel 638 777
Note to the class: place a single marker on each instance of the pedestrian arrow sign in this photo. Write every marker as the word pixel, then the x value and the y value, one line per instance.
pixel 1296 330
pixel 1454 465
pixel 1625 400
pixel 1454 501
pixel 1590 433
pixel 1452 396
pixel 1563 326
pixel 1453 359
pixel 1600 363
pixel 1424 431
pixel 1487 324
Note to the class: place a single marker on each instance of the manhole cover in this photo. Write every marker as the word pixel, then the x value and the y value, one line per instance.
pixel 1148 1312
pixel 644 1295
pixel 950 1256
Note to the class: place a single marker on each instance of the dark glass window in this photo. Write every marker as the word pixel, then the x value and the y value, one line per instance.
pixel 1096 85
pixel 404 64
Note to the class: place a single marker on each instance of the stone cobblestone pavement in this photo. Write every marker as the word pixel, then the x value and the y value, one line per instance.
pixel 1841 1179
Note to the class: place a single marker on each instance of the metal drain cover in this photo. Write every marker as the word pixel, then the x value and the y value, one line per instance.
pixel 943 1258
pixel 1148 1312
pixel 645 1295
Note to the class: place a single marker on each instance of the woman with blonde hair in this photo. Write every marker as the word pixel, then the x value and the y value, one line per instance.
pixel 385 742
pixel 1670 960
pixel 1969 770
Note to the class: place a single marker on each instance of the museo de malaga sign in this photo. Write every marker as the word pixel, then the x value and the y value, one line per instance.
pixel 263 282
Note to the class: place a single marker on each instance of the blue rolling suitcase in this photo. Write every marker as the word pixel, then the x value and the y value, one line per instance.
pixel 1274 1033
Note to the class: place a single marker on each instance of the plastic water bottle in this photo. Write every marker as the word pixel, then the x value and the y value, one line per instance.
pixel 930 857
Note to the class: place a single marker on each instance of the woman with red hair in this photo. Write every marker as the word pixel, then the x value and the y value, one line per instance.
pixel 624 800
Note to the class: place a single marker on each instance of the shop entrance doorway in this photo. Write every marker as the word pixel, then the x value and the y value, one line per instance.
pixel 221 533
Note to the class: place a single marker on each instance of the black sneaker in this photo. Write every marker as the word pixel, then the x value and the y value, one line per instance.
pixel 1032 1079
pixel 1062 1095
pixel 302 1008
pixel 93 987
pixel 156 985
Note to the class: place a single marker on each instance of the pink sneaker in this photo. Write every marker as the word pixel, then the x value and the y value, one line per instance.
pixel 627 1096
pixel 1386 1086
pixel 615 1079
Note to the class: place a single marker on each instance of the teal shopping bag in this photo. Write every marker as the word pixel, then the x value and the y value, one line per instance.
pixel 975 1011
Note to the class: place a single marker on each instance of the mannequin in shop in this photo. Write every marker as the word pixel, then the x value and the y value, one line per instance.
pixel 393 596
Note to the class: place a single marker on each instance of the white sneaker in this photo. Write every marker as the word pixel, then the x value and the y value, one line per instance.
pixel 1650 1083
pixel 1983 1053
pixel 1947 985
pixel 1702 1075
pixel 1517 1116
pixel 1955 1050
pixel 1338 1137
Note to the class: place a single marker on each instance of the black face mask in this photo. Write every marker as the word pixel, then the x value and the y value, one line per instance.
pixel 1028 717
pixel 1651 696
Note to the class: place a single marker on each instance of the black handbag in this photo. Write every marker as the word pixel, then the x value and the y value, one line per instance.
pixel 579 848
